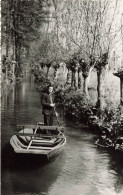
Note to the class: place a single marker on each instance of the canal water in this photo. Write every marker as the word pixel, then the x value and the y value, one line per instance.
pixel 81 169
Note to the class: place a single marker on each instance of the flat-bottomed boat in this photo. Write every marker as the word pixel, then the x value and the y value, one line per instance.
pixel 38 139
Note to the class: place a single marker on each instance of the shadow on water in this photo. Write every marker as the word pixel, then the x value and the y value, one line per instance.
pixel 13 161
pixel 23 173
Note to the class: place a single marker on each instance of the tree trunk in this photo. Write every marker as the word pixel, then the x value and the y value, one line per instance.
pixel 13 30
pixel 80 79
pixel 13 70
pixel 7 46
pixel 19 53
pixel 68 76
pixel 86 76
pixel 99 89
pixel 14 52
pixel 68 81
pixel 89 74
pixel 7 28
pixel 121 91
pixel 17 40
pixel 73 80
pixel 76 78
pixel 55 71
pixel 7 73
pixel 85 85
pixel 47 71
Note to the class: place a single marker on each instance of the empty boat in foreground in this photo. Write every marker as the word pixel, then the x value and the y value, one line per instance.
pixel 44 140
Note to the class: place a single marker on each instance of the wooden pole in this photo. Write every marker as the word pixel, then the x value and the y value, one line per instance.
pixel 122 39
pixel 121 78
pixel 121 91
pixel 56 117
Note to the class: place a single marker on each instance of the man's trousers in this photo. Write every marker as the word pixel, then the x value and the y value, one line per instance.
pixel 48 120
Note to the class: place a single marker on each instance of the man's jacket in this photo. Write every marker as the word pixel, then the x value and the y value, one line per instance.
pixel 46 101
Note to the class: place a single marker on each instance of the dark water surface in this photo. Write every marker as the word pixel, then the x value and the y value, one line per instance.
pixel 80 169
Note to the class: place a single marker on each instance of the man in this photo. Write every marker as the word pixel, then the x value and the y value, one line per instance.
pixel 48 106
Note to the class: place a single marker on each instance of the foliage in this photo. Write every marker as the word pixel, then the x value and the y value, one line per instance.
pixel 75 104
pixel 112 117
pixel 55 65
pixel 60 94
pixel 83 28
pixel 29 20
pixel 7 68
pixel 111 121
pixel 85 67
pixel 102 61
pixel 78 106
pixel 110 114
pixel 21 21
pixel 42 81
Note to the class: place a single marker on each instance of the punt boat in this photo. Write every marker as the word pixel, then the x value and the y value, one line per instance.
pixel 39 139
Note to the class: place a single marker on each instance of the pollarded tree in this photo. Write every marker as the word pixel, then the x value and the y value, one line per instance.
pixel 85 72
pixel 75 40
pixel 42 64
pixel 72 66
pixel 88 27
pixel 73 70
pixel 55 65
pixel 68 81
pixel 80 78
pixel 104 32
pixel 100 67
pixel 48 64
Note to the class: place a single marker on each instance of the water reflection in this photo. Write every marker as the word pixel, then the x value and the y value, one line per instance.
pixel 81 169
pixel 86 171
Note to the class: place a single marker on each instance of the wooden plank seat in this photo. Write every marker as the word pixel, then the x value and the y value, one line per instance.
pixel 37 135
pixel 42 127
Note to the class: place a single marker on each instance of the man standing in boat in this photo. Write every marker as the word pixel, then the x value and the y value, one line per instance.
pixel 48 106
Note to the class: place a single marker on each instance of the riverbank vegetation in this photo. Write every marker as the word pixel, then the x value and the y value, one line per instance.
pixel 77 46
pixel 80 108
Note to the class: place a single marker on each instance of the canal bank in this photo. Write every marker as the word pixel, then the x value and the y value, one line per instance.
pixel 82 168
pixel 80 108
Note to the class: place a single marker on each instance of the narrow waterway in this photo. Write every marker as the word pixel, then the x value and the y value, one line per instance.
pixel 80 169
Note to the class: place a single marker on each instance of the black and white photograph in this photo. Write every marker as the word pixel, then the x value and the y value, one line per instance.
pixel 61 97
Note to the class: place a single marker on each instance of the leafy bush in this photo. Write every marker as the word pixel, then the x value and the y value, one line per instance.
pixel 111 114
pixel 78 106
pixel 43 83
pixel 111 121
pixel 75 104
pixel 60 96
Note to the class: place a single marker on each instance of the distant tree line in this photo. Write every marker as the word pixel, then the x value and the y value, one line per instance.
pixel 79 33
